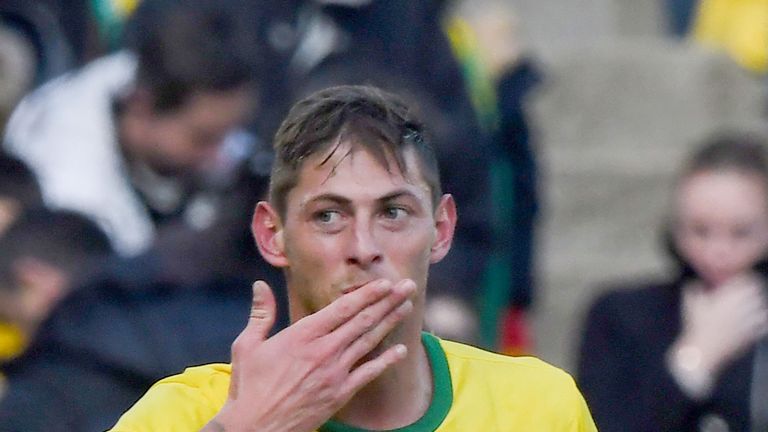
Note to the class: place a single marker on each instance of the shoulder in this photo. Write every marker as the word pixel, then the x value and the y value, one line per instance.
pixel 629 296
pixel 205 381
pixel 465 357
pixel 181 402
pixel 526 388
pixel 70 102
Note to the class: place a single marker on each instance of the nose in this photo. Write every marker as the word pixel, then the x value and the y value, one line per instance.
pixel 206 154
pixel 720 258
pixel 364 250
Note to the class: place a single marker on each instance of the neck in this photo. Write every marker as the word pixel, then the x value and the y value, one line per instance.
pixel 401 395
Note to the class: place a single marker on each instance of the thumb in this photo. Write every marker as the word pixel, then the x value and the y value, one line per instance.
pixel 260 322
pixel 263 311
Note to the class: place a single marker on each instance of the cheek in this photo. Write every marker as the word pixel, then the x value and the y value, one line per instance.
pixel 311 254
pixel 688 246
pixel 752 250
pixel 412 251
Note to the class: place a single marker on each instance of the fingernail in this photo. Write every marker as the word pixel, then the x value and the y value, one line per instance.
pixel 408 285
pixel 258 291
pixel 383 285
pixel 401 350
pixel 405 308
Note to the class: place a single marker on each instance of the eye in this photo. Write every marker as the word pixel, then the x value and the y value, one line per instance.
pixel 327 217
pixel 700 231
pixel 394 213
pixel 741 232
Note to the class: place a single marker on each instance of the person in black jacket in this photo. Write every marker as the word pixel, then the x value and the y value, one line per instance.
pixel 679 355
pixel 108 342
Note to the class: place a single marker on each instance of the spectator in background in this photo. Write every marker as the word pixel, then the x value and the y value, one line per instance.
pixel 48 35
pixel 126 324
pixel 42 255
pixel 500 76
pixel 16 70
pixel 685 354
pixel 135 140
pixel 18 190
pixel 112 338
pixel 738 28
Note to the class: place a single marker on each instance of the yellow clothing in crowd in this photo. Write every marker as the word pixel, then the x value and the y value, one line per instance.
pixel 12 343
pixel 740 27
pixel 474 390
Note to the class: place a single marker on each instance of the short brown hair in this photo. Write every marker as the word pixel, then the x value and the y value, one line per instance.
pixel 363 115
pixel 731 151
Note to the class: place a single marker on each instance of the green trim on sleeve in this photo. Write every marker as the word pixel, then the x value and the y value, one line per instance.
pixel 442 394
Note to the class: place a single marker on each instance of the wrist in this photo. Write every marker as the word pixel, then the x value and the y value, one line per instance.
pixel 689 366
pixel 226 421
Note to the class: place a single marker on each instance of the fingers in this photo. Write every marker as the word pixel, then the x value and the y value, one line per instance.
pixel 372 369
pixel 346 307
pixel 370 327
pixel 263 311
pixel 260 322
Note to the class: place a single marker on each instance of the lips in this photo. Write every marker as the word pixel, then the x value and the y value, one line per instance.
pixel 354 287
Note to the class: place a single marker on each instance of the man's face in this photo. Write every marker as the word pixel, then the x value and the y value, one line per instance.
pixel 349 221
pixel 185 140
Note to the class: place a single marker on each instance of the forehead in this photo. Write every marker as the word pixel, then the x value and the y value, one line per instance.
pixel 209 107
pixel 722 193
pixel 350 171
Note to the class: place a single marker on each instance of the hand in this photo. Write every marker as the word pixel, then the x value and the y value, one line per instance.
pixel 298 378
pixel 724 322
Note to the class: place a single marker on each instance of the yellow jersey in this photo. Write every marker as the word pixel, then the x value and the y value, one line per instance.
pixel 474 390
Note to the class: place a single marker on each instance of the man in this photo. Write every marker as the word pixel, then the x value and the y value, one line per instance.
pixel 355 218
pixel 127 139
pixel 42 256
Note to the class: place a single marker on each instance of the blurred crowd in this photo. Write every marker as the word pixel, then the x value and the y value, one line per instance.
pixel 137 139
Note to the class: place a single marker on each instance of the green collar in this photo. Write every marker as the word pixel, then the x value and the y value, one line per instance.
pixel 442 394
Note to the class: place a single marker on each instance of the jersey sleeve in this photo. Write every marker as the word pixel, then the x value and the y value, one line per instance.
pixel 181 403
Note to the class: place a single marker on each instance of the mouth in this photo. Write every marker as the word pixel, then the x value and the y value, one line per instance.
pixel 354 287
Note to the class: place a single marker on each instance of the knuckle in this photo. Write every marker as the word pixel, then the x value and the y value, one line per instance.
pixel 327 380
pixel 368 344
pixel 242 343
pixel 367 320
pixel 346 310
pixel 237 347
pixel 259 314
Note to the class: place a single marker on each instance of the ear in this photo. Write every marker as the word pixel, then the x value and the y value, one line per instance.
pixel 445 225
pixel 268 233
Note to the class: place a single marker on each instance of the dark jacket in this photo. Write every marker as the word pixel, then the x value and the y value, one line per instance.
pixel 109 342
pixel 622 372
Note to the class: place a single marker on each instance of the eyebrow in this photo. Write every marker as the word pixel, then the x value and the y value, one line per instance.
pixel 341 200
